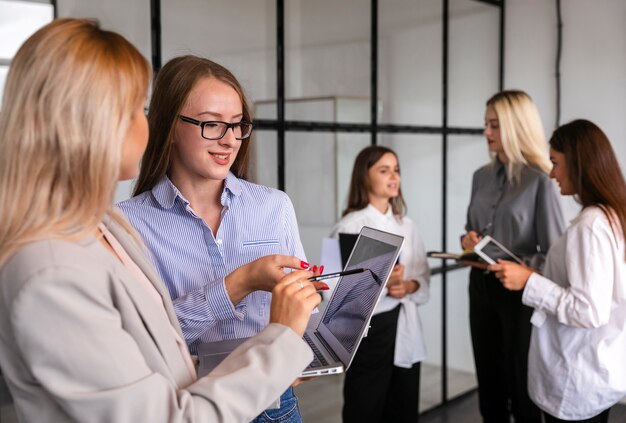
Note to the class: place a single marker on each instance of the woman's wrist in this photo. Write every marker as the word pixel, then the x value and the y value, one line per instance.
pixel 411 285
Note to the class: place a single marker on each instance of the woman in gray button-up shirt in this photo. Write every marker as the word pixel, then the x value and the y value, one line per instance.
pixel 514 201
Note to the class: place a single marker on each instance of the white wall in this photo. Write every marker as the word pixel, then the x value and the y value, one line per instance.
pixel 593 64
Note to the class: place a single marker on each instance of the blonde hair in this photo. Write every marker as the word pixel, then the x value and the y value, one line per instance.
pixel 521 133
pixel 68 103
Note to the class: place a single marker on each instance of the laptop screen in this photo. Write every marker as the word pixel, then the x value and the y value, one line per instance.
pixel 351 306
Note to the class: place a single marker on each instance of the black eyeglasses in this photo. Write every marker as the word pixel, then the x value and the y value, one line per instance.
pixel 215 129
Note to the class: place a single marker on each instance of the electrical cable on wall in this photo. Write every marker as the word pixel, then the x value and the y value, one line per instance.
pixel 559 42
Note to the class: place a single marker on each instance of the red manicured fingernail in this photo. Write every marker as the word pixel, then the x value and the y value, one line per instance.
pixel 304 264
pixel 314 269
pixel 322 268
pixel 324 287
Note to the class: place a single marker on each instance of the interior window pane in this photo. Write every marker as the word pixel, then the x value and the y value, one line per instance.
pixel 420 164
pixel 466 153
pixel 238 34
pixel 18 20
pixel 310 181
pixel 410 62
pixel 421 167
pixel 473 63
pixel 327 52
pixel 263 162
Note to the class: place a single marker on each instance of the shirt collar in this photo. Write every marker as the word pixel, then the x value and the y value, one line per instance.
pixel 498 166
pixel 499 169
pixel 165 192
pixel 232 184
pixel 373 210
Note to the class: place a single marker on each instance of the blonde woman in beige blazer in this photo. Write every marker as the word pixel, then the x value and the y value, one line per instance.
pixel 87 329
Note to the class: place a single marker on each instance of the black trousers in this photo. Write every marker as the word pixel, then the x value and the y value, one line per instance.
pixel 500 328
pixel 600 418
pixel 374 389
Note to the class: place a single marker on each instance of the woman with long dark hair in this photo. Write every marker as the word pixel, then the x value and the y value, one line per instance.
pixel 576 367
pixel 382 383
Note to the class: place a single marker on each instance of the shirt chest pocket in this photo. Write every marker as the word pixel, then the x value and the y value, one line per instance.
pixel 269 244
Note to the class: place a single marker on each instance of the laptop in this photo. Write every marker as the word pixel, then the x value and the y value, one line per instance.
pixel 345 320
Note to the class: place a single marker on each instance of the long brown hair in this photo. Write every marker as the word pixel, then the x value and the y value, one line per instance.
pixel 358 195
pixel 593 169
pixel 70 97
pixel 172 86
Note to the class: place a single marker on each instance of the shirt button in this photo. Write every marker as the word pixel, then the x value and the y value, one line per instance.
pixel 219 241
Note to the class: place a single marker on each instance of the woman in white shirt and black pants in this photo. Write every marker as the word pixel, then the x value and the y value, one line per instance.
pixel 576 366
pixel 382 383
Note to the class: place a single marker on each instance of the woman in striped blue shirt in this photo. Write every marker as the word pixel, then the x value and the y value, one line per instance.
pixel 218 241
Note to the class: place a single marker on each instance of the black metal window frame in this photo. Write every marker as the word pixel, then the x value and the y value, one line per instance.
pixel 280 125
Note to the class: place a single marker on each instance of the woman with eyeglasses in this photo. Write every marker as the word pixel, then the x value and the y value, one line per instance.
pixel 218 241
pixel 576 366
pixel 88 332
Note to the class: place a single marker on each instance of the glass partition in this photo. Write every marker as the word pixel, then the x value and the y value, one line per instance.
pixel 327 51
pixel 238 34
pixel 420 159
pixel 466 153
pixel 328 78
pixel 410 64
pixel 473 60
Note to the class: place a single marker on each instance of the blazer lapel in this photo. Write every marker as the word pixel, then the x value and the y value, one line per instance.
pixel 148 308
pixel 139 254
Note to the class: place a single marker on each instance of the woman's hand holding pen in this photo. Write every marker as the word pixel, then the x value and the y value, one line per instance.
pixel 470 240
pixel 512 275
pixel 472 237
pixel 262 274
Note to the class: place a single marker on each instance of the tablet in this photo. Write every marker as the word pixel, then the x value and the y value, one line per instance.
pixel 491 250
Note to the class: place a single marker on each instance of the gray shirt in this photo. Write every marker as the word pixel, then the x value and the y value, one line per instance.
pixel 525 216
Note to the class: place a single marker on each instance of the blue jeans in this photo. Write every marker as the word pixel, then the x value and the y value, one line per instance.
pixel 287 413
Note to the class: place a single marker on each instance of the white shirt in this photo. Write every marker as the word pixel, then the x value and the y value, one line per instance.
pixel 576 363
pixel 410 347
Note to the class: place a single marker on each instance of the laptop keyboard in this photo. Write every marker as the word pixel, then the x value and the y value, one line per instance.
pixel 318 359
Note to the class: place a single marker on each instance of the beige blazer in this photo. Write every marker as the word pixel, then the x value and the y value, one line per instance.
pixel 80 340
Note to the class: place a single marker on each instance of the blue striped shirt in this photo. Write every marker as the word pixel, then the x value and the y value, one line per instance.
pixel 256 221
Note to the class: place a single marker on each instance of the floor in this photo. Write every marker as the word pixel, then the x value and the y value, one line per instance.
pixel 321 399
